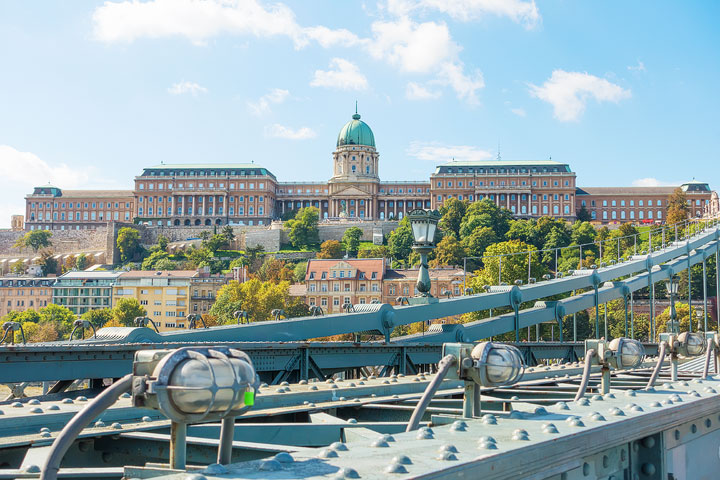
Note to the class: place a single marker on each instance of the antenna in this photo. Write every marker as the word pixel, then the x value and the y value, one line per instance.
pixel 498 152
pixel 356 107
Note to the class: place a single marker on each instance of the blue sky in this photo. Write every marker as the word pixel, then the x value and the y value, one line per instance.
pixel 91 92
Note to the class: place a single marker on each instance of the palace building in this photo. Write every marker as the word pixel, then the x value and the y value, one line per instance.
pixel 207 194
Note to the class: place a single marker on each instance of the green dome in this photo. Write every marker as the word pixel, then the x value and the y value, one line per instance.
pixel 356 132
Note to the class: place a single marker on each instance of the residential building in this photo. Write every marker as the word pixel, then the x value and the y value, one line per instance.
pixel 444 282
pixel 20 293
pixel 82 291
pixel 204 288
pixel 165 294
pixel 51 208
pixel 333 283
pixel 641 204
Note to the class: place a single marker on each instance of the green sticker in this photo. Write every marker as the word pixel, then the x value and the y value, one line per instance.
pixel 249 399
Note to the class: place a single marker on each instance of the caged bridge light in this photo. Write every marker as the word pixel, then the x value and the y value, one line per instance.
pixel 190 385
pixel 620 354
pixel 486 364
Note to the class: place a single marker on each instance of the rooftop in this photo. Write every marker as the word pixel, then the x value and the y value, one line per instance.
pixel 90 275
pixel 411 273
pixel 158 274
pixel 624 190
pixel 366 266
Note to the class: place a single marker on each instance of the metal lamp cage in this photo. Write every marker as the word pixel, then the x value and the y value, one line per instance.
pixel 226 398
pixel 628 353
pixel 496 364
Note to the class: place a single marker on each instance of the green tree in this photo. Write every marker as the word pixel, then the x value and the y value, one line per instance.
pixel 98 317
pixel 81 262
pixel 514 267
pixel 126 310
pixel 165 264
pixel 215 242
pixel 150 262
pixel 582 233
pixel 677 207
pixel 18 267
pixel 476 243
pixel 452 211
pixel 61 317
pixel 229 235
pixel 258 298
pixel 275 271
pixel 300 271
pixel 485 214
pixel 400 241
pixel 682 315
pixel 449 252
pixel 351 239
pixel 583 215
pixel 303 229
pixel 35 239
pixel 128 244
pixel 376 251
pixel 330 249
pixel 48 263
pixel 162 243
pixel 558 237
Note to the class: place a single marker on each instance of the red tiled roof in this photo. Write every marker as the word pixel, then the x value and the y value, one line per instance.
pixel 368 266
pixel 435 273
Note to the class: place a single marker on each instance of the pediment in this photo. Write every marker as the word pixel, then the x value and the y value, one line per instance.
pixel 351 192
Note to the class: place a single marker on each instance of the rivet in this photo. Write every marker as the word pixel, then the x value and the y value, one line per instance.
pixel 372 377
pixel 667 402
pixel 116 426
pixel 328 453
pixel 329 380
pixel 45 434
pixel 388 438
pixel 693 393
pixel 487 438
pixel 31 469
pixel 515 398
pixel 263 385
pixel 710 390
pixel 36 410
pixel 17 405
pixel 99 424
pixel 34 401
pixel 311 404
pixel 575 422
pixel 44 429
pixel 648 469
pixel 351 420
pixel 516 414
pixel 520 434
pixel 416 379
pixel 668 386
pixel 313 387
pixel 562 406
pixel 146 419
pixel 608 395
pixel 303 382
pixel 595 416
pixel 675 398
pixel 333 386
pixel 427 429
pixel 53 407
pixel 351 384
pixel 284 457
pixel 269 465
pixel 81 398
pixel 650 389
pixel 215 469
pixel 485 446
pixel 637 408
pixel 280 390
pixel 597 398
pixel 630 393
pixel 66 400
pixel 540 411
pixel 194 476
pixel 379 443
pixel 342 399
pixel 402 460
pixel 684 384
pixel 396 396
pixel 347 472
pixel 445 455
pixel 584 402
pixel 361 382
pixel 423 435
pixel 489 419
pixel 458 426
pixel 396 468
pixel 125 395
pixel 655 404
pixel 448 448
pixel 617 412
pixel 549 428
pixel 357 400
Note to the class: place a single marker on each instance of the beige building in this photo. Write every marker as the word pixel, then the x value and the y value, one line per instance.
pixel 444 282
pixel 165 294
pixel 51 208
pixel 204 288
pixel 20 293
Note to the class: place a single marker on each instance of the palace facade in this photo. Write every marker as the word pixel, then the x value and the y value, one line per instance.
pixel 249 194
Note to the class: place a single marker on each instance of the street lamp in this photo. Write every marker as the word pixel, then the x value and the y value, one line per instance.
pixel 672 287
pixel 424 226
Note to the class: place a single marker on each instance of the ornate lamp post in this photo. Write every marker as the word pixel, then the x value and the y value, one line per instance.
pixel 672 287
pixel 424 225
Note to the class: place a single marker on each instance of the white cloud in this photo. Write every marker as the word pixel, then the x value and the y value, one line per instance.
pixel 640 67
pixel 519 11
pixel 18 182
pixel 568 93
pixel 280 131
pixel 262 106
pixel 187 87
pixel 343 75
pixel 520 112
pixel 653 182
pixel 413 91
pixel 200 20
pixel 437 152
pixel 424 48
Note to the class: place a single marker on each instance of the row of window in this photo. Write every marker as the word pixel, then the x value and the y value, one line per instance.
pixel 189 199
pixel 200 211
pixel 31 303
pixel 507 170
pixel 323 287
pixel 21 293
pixel 501 183
pixel 79 204
pixel 614 215
pixel 181 186
pixel 99 216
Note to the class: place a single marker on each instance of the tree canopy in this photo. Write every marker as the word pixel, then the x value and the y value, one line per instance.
pixel 351 239
pixel 303 229
pixel 35 239
pixel 128 243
